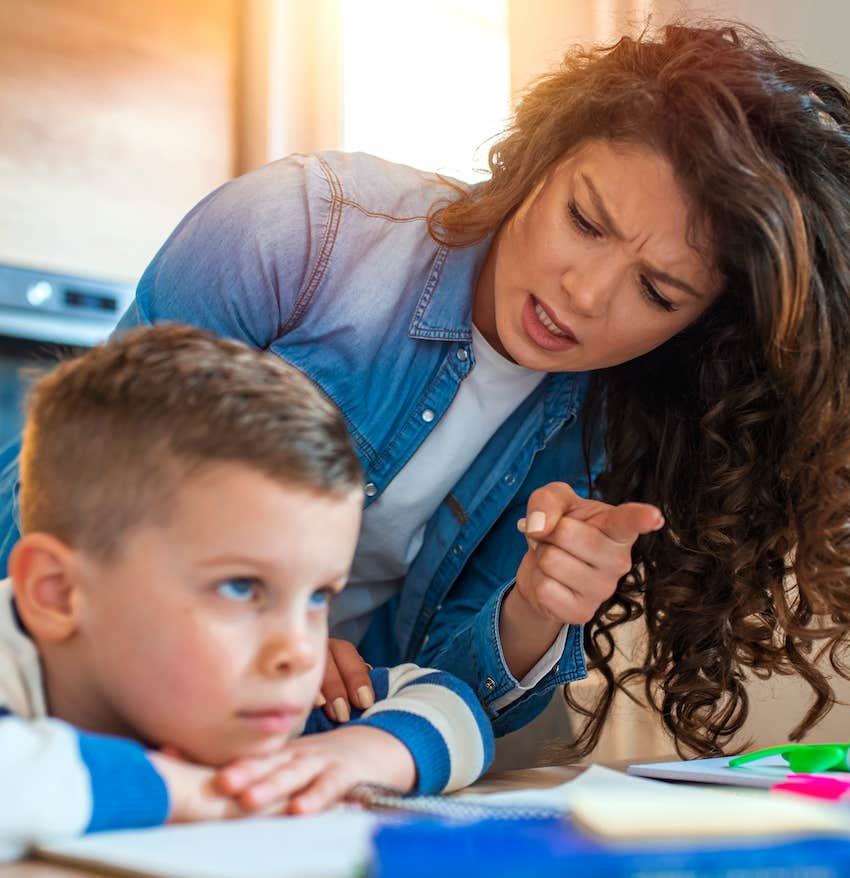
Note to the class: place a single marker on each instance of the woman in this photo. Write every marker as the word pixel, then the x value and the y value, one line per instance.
pixel 653 292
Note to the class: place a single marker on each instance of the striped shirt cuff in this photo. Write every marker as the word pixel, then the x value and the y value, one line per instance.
pixel 127 791
pixel 439 719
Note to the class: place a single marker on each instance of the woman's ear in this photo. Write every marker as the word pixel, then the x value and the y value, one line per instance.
pixel 46 594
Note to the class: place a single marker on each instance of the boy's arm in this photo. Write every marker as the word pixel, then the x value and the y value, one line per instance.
pixel 436 716
pixel 427 734
pixel 58 782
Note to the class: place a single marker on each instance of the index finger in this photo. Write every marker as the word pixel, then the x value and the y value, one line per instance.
pixel 625 523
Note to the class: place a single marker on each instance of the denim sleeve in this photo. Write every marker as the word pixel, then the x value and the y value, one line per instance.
pixel 244 258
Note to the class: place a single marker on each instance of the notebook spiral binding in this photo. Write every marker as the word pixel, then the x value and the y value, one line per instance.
pixel 450 807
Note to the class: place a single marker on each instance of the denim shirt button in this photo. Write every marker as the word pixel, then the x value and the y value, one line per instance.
pixel 462 354
pixel 370 489
pixel 509 479
pixel 490 684
pixel 457 549
pixel 428 415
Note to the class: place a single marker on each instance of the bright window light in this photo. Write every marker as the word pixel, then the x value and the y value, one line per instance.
pixel 426 84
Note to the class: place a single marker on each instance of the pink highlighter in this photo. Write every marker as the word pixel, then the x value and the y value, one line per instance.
pixel 815 786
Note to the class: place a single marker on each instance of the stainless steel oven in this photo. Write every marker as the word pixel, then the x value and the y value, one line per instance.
pixel 44 317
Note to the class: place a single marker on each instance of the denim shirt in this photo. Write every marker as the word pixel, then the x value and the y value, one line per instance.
pixel 326 261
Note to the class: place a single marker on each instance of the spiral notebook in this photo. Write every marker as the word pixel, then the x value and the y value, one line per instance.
pixel 526 804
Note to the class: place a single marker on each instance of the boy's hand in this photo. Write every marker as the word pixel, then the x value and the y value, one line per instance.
pixel 313 772
pixel 578 551
pixel 346 682
pixel 192 791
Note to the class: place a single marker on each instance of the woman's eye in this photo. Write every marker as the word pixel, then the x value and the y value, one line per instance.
pixel 654 297
pixel 321 598
pixel 583 225
pixel 239 590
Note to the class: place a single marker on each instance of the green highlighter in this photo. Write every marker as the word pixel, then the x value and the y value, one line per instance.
pixel 802 758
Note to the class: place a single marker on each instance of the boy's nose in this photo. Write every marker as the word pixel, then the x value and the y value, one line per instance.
pixel 291 652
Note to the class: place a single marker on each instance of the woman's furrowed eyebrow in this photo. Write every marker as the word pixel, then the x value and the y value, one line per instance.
pixel 614 229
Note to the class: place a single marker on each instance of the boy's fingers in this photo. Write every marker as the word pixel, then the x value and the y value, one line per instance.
pixel 172 752
pixel 236 778
pixel 280 785
pixel 324 790
pixel 626 522
pixel 354 673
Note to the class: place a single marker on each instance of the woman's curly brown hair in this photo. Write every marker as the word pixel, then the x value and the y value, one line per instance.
pixel 739 427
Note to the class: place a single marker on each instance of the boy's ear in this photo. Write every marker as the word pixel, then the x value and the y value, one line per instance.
pixel 46 593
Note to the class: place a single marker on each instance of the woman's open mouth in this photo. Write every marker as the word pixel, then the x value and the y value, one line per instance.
pixel 544 329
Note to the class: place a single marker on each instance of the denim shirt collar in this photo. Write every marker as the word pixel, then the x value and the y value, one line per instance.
pixel 444 313
pixel 444 310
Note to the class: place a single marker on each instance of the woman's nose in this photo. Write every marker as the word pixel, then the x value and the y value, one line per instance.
pixel 589 290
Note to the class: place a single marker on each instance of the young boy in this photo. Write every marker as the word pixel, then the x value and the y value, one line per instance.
pixel 189 507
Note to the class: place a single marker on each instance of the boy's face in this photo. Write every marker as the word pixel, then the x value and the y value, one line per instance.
pixel 209 632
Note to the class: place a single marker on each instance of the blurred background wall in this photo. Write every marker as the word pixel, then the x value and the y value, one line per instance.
pixel 117 116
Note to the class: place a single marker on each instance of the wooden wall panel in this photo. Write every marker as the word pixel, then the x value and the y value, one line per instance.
pixel 115 117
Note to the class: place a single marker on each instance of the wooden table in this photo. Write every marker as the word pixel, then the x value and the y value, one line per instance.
pixel 491 783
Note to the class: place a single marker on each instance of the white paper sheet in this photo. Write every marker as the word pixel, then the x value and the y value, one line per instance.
pixel 336 843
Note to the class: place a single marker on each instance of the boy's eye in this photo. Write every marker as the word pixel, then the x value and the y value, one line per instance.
pixel 320 598
pixel 239 590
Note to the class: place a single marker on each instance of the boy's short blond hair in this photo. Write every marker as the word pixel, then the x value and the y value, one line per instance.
pixel 111 435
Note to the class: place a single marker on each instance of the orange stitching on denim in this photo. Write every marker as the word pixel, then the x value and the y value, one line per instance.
pixel 328 241
pixel 377 213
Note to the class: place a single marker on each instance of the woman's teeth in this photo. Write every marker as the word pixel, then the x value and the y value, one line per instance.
pixel 543 317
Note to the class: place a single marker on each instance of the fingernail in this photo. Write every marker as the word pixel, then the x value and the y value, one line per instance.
pixel 536 522
pixel 340 709
pixel 365 697
pixel 520 525
pixel 321 701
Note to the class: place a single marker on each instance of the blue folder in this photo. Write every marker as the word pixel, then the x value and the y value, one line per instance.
pixel 552 848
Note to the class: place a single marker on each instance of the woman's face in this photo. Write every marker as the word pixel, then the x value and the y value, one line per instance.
pixel 594 267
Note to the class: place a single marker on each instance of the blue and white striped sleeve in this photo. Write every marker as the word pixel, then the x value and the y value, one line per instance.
pixel 57 782
pixel 439 719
